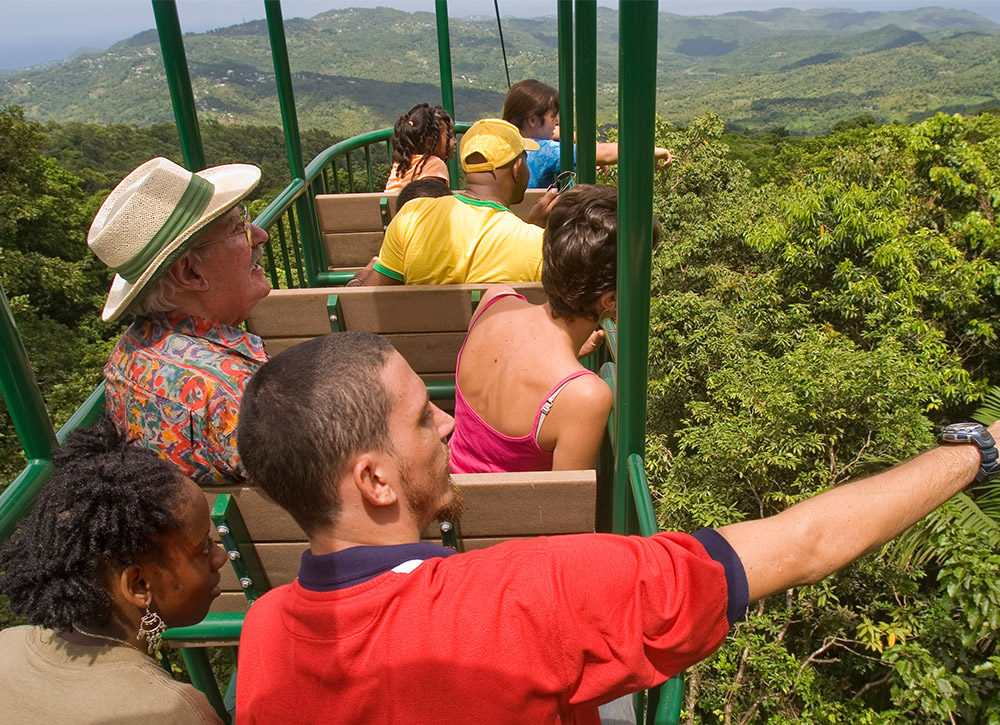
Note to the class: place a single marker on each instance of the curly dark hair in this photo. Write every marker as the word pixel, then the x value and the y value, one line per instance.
pixel 417 132
pixel 580 250
pixel 106 506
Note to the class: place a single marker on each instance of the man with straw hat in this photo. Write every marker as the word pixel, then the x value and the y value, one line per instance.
pixel 472 236
pixel 186 261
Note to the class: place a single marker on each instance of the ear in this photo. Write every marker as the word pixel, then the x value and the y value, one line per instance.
pixel 608 301
pixel 371 478
pixel 186 274
pixel 134 588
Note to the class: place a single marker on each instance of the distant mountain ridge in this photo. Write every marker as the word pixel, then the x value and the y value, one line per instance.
pixel 358 69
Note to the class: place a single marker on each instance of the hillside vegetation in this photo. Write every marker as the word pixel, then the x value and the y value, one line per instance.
pixel 816 312
pixel 358 69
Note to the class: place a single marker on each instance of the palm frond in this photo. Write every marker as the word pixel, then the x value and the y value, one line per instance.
pixel 918 544
pixel 989 411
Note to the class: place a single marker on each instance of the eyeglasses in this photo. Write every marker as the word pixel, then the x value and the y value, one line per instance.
pixel 565 180
pixel 247 230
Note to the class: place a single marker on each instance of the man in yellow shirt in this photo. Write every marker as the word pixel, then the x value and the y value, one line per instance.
pixel 471 237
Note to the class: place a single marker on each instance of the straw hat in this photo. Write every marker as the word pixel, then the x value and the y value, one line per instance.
pixel 154 215
pixel 498 141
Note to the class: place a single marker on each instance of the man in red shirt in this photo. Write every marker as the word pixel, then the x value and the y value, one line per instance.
pixel 380 628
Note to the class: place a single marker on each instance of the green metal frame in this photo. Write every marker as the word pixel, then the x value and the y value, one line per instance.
pixel 239 547
pixel 586 91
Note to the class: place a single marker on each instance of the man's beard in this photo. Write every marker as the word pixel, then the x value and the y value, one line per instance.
pixel 425 505
pixel 456 506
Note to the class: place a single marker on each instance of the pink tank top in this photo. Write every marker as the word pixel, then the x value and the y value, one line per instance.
pixel 477 447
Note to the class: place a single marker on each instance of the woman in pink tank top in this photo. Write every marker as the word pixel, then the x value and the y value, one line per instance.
pixel 523 401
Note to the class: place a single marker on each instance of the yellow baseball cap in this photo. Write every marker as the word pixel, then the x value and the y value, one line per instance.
pixel 500 142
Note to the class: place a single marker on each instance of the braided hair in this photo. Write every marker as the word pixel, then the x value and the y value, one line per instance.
pixel 417 132
pixel 106 506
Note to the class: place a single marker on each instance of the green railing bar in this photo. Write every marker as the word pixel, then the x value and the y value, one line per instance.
pixel 333 279
pixel 233 535
pixel 368 168
pixel 350 173
pixel 215 627
pixel 564 22
pixel 636 108
pixel 586 91
pixel 200 671
pixel 21 492
pixel 640 492
pixel 668 708
pixel 447 84
pixel 283 248
pixel 21 392
pixel 440 390
pixel 168 28
pixel 18 496
pixel 312 245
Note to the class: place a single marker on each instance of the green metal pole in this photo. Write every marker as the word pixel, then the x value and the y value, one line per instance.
pixel 313 253
pixel 447 84
pixel 636 107
pixel 564 23
pixel 21 393
pixel 586 91
pixel 168 27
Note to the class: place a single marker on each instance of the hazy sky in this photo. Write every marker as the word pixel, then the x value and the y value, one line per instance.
pixel 33 31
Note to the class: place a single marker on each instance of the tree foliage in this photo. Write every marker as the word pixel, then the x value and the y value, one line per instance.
pixel 814 329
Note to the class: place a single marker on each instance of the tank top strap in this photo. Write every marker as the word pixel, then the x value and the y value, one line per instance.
pixel 546 406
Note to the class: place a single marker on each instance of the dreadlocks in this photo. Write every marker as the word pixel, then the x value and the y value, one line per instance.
pixel 106 506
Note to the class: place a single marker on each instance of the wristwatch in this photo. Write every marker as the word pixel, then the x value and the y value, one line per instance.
pixel 977 435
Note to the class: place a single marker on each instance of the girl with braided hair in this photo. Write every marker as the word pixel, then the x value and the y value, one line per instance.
pixel 422 140
pixel 117 543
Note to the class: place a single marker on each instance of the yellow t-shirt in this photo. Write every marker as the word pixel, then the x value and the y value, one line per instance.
pixel 456 240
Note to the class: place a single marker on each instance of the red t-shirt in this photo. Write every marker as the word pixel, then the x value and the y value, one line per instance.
pixel 540 631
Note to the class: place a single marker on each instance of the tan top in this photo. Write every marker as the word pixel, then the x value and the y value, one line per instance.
pixel 47 679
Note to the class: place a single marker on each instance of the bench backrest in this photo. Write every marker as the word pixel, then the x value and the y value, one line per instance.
pixel 352 224
pixel 499 506
pixel 426 323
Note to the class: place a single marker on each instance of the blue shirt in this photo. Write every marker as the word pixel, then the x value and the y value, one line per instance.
pixel 544 163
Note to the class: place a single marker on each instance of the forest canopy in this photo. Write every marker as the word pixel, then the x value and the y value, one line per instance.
pixel 819 307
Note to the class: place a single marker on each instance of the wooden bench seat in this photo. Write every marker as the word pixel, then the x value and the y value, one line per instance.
pixel 426 323
pixel 352 225
pixel 499 506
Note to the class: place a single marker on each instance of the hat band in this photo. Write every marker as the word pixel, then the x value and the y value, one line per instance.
pixel 192 203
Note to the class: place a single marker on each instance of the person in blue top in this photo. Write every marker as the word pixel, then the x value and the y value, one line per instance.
pixel 533 107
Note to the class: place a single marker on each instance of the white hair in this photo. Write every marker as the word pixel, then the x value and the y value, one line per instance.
pixel 162 296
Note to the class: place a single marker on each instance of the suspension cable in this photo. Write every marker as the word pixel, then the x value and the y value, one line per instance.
pixel 503 48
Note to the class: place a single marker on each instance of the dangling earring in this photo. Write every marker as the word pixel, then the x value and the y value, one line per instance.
pixel 151 628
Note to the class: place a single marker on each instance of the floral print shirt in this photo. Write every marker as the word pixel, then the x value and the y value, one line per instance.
pixel 174 384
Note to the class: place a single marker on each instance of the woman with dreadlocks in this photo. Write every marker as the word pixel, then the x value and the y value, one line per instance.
pixel 422 140
pixel 116 548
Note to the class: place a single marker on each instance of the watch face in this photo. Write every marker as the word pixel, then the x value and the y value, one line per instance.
pixel 962 432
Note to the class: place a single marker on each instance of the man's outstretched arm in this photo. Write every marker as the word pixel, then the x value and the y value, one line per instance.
pixel 814 538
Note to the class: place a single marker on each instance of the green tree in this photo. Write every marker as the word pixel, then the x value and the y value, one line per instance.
pixel 808 331
pixel 54 284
